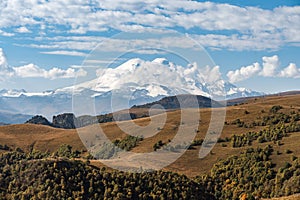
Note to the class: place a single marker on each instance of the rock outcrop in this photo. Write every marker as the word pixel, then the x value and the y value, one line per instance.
pixel 66 120
pixel 38 119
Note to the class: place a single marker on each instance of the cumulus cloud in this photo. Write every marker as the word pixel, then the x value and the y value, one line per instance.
pixel 6 33
pixel 32 70
pixel 212 74
pixel 291 71
pixel 270 65
pixel 243 73
pixel 23 29
pixel 5 70
pixel 270 68
pixel 55 73
pixel 29 70
pixel 3 61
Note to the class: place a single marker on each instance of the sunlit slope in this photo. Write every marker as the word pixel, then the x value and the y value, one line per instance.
pixel 46 138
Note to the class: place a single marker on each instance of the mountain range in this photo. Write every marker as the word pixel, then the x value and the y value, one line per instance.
pixel 134 82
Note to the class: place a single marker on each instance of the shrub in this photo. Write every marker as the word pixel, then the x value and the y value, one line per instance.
pixel 288 151
pixel 275 109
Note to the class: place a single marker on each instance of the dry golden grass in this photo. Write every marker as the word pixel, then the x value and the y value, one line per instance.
pixel 292 197
pixel 46 138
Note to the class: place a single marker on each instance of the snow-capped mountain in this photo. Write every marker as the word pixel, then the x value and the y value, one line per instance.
pixel 132 83
pixel 148 81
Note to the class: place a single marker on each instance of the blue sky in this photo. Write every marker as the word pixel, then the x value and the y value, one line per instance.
pixel 255 43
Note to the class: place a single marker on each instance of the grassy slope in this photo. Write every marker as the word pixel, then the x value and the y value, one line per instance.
pixel 49 139
pixel 292 197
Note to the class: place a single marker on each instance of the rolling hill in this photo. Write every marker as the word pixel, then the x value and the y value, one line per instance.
pixel 247 130
pixel 27 136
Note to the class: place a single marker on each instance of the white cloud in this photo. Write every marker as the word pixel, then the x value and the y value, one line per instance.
pixel 6 33
pixel 270 69
pixel 3 61
pixel 291 71
pixel 237 42
pixel 270 65
pixel 23 29
pixel 66 53
pixel 70 45
pixel 243 73
pixel 211 74
pixel 212 41
pixel 255 28
pixel 55 73
pixel 29 70
pixel 5 70
pixel 165 40
pixel 32 70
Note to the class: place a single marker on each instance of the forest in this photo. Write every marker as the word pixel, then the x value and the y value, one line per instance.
pixel 40 175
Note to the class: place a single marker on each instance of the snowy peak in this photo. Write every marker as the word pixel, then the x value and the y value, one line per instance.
pixel 152 76
pixel 131 64
pixel 160 77
pixel 233 91
pixel 12 93
pixel 162 61
pixel 22 92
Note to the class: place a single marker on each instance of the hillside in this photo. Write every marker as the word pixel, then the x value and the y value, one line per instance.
pixel 234 101
pixel 183 101
pixel 291 197
pixel 270 125
pixel 70 121
pixel 40 137
pixel 27 135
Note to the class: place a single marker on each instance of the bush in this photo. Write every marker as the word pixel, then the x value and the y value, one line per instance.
pixel 128 143
pixel 197 142
pixel 275 109
pixel 261 139
pixel 288 151
pixel 65 150
pixel 220 140
pixel 157 145
pixel 4 147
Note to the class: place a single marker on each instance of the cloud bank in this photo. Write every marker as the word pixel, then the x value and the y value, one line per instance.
pixel 247 27
pixel 243 73
pixel 34 71
pixel 270 68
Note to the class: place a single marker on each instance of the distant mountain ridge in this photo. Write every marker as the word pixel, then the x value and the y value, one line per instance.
pixel 70 121
pixel 243 99
pixel 182 101
pixel 11 118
